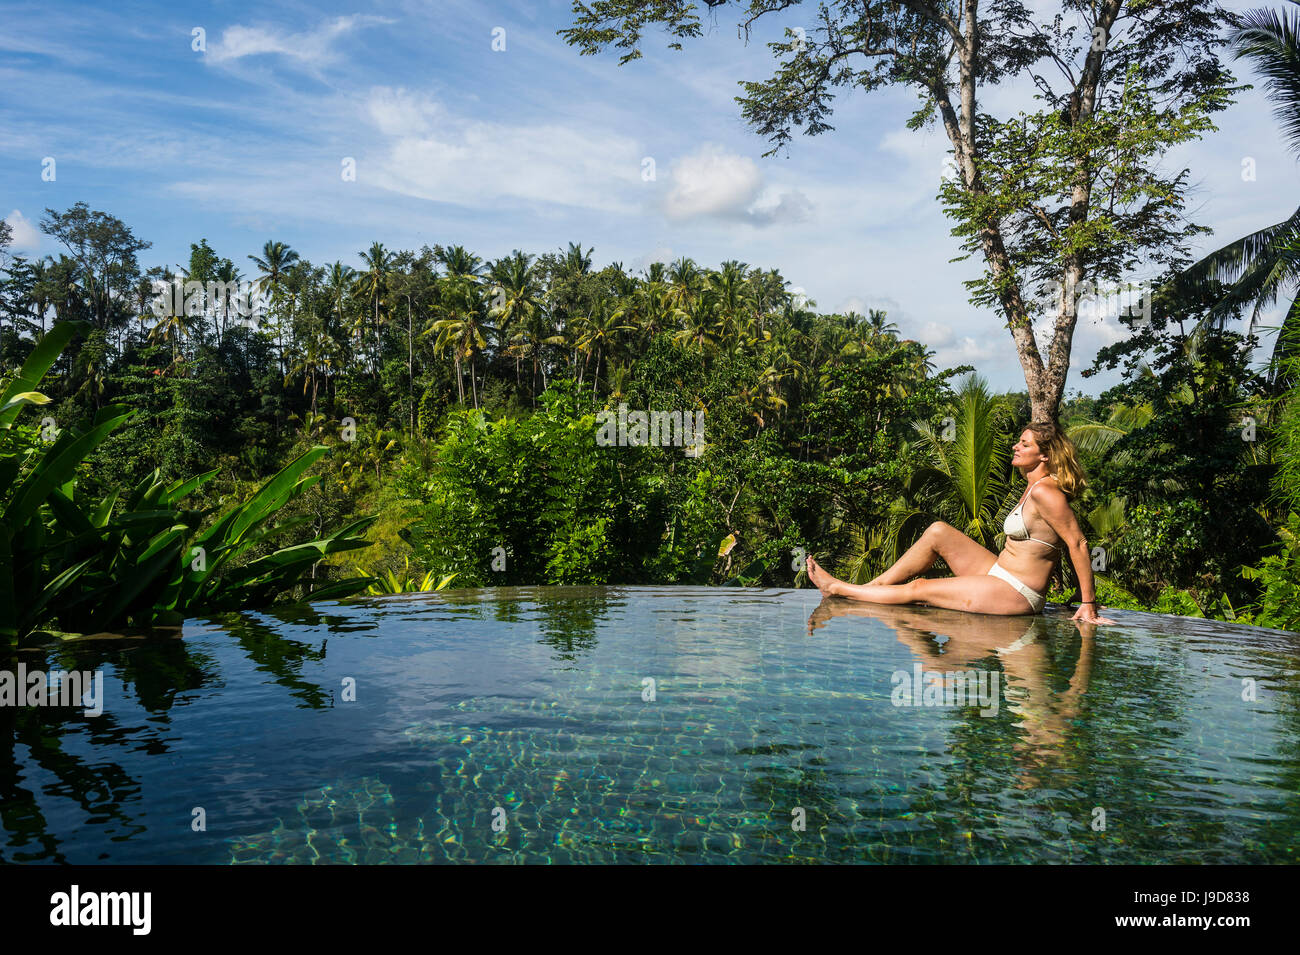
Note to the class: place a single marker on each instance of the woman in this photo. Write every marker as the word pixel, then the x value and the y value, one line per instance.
pixel 1039 528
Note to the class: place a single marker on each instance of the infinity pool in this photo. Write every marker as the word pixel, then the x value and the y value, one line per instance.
pixel 583 724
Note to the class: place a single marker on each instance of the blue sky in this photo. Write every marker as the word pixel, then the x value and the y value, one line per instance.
pixel 529 147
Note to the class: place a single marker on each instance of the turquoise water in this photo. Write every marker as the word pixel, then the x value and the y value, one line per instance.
pixel 662 724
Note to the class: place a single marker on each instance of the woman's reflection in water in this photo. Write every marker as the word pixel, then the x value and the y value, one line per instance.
pixel 974 641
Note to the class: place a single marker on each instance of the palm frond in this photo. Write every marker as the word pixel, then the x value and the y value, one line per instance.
pixel 1271 38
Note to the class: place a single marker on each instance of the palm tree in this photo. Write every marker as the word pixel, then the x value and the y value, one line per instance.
pixel 373 284
pixel 1255 270
pixel 651 308
pixel 340 281
pixel 317 354
pixel 599 332
pixel 765 396
pixel 577 263
pixel 458 261
pixel 517 303
pixel 686 281
pixel 462 331
pixel 965 480
pixel 172 330
pixel 965 483
pixel 276 261
pixel 877 326
pixel 767 293
pixel 66 293
pixel 699 324
pixel 226 272
pixel 732 295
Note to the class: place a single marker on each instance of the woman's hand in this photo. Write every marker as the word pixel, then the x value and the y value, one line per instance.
pixel 1087 613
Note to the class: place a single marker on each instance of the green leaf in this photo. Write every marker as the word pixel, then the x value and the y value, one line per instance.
pixel 55 467
pixel 44 355
pixel 26 398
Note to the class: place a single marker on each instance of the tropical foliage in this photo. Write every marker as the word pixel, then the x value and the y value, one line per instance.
pixel 77 562
pixel 445 409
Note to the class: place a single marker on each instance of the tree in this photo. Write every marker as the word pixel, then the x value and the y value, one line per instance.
pixel 373 284
pixel 462 331
pixel 1251 272
pixel 276 261
pixel 1069 195
pixel 315 356
pixel 104 251
pixel 517 309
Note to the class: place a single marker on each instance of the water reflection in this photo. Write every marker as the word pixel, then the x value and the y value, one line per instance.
pixel 151 671
pixel 504 693
pixel 1025 651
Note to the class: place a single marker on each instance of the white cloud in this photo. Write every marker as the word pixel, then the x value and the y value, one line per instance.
pixel 968 351
pixel 312 47
pixel 26 237
pixel 660 253
pixel 714 183
pixel 399 113
pixel 432 154
pixel 935 335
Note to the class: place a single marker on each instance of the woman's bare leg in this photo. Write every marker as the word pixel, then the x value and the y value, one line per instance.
pixel 977 593
pixel 964 556
pixel 919 558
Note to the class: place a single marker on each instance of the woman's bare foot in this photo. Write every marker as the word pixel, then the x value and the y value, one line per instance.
pixel 822 580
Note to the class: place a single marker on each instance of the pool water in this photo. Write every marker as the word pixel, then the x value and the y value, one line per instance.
pixel 662 724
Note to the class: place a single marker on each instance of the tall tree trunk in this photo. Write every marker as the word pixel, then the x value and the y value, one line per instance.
pixel 410 365
pixel 377 348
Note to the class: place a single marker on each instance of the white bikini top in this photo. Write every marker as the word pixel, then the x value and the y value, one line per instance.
pixel 1014 525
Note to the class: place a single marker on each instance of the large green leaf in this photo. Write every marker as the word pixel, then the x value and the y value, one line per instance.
pixel 25 398
pixel 34 368
pixel 159 558
pixel 55 467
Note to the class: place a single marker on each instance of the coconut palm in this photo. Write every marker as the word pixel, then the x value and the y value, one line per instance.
pixel 598 331
pixel 965 483
pixel 767 294
pixel 275 263
pixel 699 323
pixel 732 292
pixel 173 328
pixel 1256 270
pixel 463 330
pixel 372 284
pixel 764 397
pixel 340 280
pixel 877 326
pixel 516 307
pixel 650 309
pixel 227 273
pixel 317 354
pixel 577 263
pixel 457 260
pixel 686 282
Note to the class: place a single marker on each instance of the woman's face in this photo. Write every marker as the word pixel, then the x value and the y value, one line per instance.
pixel 1026 452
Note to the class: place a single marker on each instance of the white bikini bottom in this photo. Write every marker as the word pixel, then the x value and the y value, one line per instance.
pixel 1036 600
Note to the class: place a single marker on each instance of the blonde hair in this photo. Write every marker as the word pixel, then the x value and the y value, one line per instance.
pixel 1062 459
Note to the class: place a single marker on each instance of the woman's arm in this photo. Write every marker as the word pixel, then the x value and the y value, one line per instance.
pixel 1055 508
